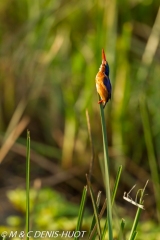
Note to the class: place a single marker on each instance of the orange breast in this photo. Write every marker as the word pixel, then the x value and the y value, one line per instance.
pixel 101 88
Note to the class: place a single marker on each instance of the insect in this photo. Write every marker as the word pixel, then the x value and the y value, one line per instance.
pixel 103 84
pixel 129 199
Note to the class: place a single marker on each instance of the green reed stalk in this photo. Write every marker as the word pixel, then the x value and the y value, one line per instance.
pixel 106 167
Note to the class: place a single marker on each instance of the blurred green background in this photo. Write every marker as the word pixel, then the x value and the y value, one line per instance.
pixel 49 56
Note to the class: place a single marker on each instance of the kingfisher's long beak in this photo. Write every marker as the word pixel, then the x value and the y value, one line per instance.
pixel 103 57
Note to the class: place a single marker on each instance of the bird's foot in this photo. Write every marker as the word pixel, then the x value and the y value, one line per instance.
pixel 103 102
pixel 100 101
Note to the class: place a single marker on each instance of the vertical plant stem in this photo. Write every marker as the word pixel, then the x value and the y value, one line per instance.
pixel 27 183
pixel 106 166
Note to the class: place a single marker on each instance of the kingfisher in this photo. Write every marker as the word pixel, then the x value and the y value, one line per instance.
pixel 103 84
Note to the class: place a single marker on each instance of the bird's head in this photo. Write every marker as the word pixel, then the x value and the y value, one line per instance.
pixel 104 62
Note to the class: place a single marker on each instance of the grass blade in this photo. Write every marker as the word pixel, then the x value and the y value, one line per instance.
pixel 122 225
pixel 113 197
pixel 116 184
pixel 81 210
pixel 91 235
pixel 135 223
pixel 94 208
pixel 27 183
pixel 134 236
pixel 94 220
